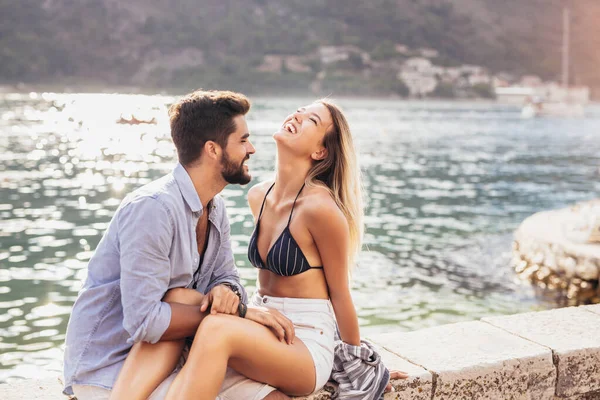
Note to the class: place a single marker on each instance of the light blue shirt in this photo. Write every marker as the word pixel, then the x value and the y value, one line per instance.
pixel 148 248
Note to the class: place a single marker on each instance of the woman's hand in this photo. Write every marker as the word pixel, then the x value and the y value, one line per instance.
pixel 273 319
pixel 393 376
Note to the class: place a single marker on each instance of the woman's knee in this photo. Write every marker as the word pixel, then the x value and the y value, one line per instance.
pixel 214 329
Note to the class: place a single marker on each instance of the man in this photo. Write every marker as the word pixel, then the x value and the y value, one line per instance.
pixel 171 233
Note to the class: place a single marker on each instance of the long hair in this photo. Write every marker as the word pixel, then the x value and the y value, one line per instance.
pixel 339 171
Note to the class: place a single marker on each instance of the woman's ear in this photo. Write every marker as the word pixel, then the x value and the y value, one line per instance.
pixel 319 154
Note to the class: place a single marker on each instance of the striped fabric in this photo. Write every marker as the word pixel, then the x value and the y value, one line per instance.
pixel 358 372
pixel 285 258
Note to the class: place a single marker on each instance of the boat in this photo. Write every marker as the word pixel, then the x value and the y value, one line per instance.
pixel 555 100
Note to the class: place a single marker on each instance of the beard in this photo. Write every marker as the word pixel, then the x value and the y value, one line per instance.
pixel 233 172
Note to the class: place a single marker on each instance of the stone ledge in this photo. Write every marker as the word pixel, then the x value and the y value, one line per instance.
pixel 572 335
pixel 475 360
pixel 33 389
pixel 548 355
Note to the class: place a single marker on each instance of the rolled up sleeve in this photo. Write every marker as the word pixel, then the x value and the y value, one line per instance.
pixel 145 238
pixel 225 270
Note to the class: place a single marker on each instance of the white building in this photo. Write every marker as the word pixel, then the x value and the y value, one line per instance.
pixel 420 76
pixel 333 54
pixel 275 62
pixel 428 53
pixel 402 49
pixel 477 79
pixel 514 94
pixel 531 81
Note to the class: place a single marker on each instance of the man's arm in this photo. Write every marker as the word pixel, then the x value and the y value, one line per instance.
pixel 145 236
pixel 225 270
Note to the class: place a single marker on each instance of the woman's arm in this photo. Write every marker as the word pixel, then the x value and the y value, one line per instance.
pixel 329 229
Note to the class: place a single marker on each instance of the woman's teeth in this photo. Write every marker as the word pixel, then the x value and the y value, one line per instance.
pixel 290 128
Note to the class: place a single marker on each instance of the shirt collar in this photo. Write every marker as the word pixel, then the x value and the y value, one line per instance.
pixel 186 186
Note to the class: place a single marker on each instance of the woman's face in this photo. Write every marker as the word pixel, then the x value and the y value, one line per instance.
pixel 304 130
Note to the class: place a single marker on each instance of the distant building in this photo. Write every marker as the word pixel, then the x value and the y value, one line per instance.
pixel 479 79
pixel 275 62
pixel 333 54
pixel 506 77
pixel 420 76
pixel 418 64
pixel 514 94
pixel 531 81
pixel 451 74
pixel 402 49
pixel 429 53
pixel 472 70
pixel 498 81
pixel 553 91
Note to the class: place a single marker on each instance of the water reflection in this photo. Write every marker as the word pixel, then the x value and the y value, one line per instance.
pixel 446 183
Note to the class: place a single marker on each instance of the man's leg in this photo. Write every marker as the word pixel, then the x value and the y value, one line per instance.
pixel 277 395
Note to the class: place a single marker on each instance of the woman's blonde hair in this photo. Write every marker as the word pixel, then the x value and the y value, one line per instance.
pixel 339 171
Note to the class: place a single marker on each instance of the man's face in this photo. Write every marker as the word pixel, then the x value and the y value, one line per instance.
pixel 236 153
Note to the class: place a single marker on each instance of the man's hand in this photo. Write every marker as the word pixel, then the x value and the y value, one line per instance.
pixel 395 375
pixel 220 299
pixel 273 319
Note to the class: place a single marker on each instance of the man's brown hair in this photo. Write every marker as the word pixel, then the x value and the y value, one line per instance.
pixel 201 116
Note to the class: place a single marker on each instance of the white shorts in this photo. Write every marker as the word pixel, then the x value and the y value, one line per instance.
pixel 314 324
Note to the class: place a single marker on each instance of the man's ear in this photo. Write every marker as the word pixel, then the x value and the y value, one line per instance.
pixel 319 154
pixel 212 149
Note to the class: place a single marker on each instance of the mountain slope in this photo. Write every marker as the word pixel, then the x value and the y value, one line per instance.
pixel 156 43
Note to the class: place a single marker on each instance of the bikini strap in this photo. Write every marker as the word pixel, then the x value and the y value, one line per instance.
pixel 264 200
pixel 294 205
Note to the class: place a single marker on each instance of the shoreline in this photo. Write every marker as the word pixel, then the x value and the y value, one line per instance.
pixel 95 87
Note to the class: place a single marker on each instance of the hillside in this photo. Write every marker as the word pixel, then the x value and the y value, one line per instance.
pixel 183 43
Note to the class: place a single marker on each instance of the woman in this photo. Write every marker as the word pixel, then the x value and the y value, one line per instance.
pixel 308 230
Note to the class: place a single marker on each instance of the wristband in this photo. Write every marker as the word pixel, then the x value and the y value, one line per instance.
pixel 234 289
pixel 242 309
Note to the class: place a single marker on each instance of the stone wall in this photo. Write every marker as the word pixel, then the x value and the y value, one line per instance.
pixel 547 355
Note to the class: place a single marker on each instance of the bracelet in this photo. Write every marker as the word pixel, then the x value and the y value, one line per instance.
pixel 242 309
pixel 234 289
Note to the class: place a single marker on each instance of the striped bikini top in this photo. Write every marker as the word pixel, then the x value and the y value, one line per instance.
pixel 285 258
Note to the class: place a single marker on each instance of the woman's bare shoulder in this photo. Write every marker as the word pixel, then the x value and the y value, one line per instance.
pixel 319 203
pixel 256 193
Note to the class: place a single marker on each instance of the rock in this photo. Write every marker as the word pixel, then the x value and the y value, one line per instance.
pixel 587 270
pixel 546 250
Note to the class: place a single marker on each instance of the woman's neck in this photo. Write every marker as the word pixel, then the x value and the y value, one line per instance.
pixel 290 178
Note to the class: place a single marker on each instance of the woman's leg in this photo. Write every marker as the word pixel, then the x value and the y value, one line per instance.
pixel 249 348
pixel 147 365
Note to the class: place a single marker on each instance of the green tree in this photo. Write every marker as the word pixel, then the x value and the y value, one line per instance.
pixel 444 90
pixel 484 90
